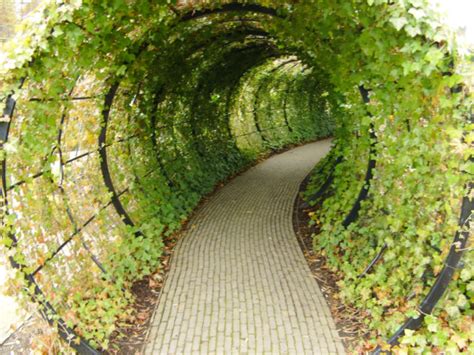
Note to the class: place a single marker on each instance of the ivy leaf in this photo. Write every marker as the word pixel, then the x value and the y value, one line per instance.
pixel 453 311
pixel 468 167
pixel 121 70
pixel 413 30
pixel 417 13
pixel 434 56
pixel 470 286
pixel 399 22
pixel 57 31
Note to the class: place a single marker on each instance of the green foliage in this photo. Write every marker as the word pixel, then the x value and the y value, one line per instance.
pixel 175 129
pixel 398 52
pixel 199 100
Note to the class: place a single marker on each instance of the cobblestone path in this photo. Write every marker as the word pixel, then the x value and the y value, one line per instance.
pixel 239 282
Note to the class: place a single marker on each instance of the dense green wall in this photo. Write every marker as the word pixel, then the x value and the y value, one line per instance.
pixel 128 112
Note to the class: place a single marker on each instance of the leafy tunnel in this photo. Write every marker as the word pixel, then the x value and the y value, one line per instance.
pixel 121 115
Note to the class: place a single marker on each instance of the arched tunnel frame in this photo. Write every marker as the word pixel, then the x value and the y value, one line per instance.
pixel 82 346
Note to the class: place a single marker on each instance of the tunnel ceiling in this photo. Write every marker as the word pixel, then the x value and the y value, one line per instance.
pixel 121 115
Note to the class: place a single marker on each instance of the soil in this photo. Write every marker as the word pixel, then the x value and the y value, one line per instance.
pixel 349 320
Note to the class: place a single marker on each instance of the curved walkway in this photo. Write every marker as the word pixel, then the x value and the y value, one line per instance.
pixel 238 281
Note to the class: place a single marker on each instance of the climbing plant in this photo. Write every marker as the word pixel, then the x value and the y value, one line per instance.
pixel 118 120
pixel 120 115
pixel 418 114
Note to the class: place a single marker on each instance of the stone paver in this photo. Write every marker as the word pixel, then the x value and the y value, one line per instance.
pixel 238 281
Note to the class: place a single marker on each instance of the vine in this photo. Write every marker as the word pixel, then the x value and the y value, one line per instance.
pixel 156 102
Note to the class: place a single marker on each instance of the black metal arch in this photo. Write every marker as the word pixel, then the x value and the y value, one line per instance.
pixel 285 103
pixel 364 191
pixel 232 35
pixel 231 7
pixel 457 250
pixel 257 95
pixel 104 167
pixel 109 97
pixel 82 346
pixel 234 87
pixel 154 141
pixel 45 308
pixel 263 47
